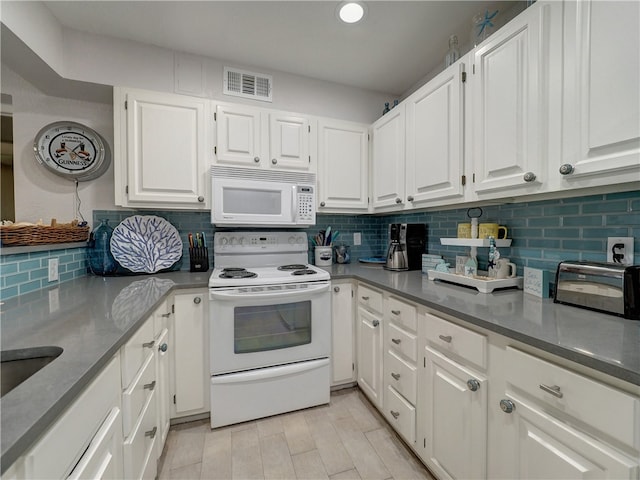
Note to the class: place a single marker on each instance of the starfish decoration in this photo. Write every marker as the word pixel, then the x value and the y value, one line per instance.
pixel 487 21
pixel 491 263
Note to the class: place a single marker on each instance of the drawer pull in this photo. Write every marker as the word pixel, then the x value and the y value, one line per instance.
pixel 395 376
pixel 151 433
pixel 375 323
pixel 473 384
pixel 165 315
pixel 395 312
pixel 197 300
pixel 507 406
pixel 553 390
pixel 149 386
pixel 149 344
pixel 365 298
pixel 445 338
pixel 396 341
pixel 394 414
pixel 336 289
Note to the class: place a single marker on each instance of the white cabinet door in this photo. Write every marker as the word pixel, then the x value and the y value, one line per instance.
pixel 342 358
pixel 343 159
pixel 162 389
pixel 166 150
pixel 389 158
pixel 601 141
pixel 435 139
pixel 453 416
pixel 538 445
pixel 190 375
pixel 509 100
pixel 370 356
pixel 239 136
pixel 289 142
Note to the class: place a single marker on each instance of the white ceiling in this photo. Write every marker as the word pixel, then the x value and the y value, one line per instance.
pixel 396 45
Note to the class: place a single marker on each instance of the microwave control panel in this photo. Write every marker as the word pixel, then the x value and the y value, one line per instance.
pixel 306 206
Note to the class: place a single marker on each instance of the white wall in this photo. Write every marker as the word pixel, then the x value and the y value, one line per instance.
pixel 40 194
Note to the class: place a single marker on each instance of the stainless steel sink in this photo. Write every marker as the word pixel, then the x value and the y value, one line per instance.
pixel 18 365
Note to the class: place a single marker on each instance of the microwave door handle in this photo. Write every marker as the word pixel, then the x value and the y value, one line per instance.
pixel 294 203
pixel 306 292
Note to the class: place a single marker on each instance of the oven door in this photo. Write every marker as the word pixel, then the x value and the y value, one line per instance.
pixel 255 327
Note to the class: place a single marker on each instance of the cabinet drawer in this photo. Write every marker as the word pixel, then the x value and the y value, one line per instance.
pixel 402 313
pixel 607 409
pixel 139 448
pixel 403 342
pixel 401 376
pixel 369 298
pixel 452 338
pixel 136 396
pixel 136 352
pixel 401 414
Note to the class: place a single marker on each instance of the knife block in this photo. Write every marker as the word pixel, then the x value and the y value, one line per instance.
pixel 198 259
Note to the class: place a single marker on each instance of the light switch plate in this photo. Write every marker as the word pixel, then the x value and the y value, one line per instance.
pixel 620 250
pixel 53 269
pixel 357 238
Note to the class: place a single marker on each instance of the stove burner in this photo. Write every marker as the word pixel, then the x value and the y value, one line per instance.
pixel 295 266
pixel 237 273
pixel 306 271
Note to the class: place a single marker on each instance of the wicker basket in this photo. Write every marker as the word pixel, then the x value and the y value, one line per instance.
pixel 41 234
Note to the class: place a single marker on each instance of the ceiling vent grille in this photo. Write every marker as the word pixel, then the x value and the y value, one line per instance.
pixel 240 83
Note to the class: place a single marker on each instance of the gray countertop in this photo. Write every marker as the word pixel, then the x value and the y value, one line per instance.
pixel 91 317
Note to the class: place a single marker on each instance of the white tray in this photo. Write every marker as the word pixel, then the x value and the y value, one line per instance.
pixel 483 286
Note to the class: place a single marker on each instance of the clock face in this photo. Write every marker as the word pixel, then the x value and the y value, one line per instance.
pixel 71 150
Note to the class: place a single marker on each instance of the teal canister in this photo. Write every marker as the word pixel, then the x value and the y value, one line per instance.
pixel 101 260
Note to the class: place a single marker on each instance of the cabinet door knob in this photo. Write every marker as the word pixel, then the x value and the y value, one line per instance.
pixel 553 390
pixel 322 204
pixel 201 199
pixel 256 159
pixel 410 198
pixel 445 338
pixel 507 406
pixel 197 300
pixel 566 169
pixel 149 344
pixel 396 341
pixel 274 160
pixel 398 200
pixel 529 177
pixel 163 348
pixel 151 433
pixel 336 289
pixel 473 384
pixel 375 323
pixel 395 375
pixel 149 386
pixel 394 414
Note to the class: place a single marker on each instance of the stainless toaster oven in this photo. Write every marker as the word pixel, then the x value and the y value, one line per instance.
pixel 606 287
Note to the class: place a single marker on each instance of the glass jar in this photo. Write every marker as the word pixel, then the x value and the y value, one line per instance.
pixel 453 53
pixel 101 260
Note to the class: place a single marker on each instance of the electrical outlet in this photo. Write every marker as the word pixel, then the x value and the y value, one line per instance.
pixel 53 269
pixel 620 250
pixel 357 238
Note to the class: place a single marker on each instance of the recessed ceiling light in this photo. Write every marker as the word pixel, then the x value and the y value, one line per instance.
pixel 350 12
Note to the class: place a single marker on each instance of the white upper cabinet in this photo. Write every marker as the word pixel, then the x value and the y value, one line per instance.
pixel 601 136
pixel 253 137
pixel 343 159
pixel 509 106
pixel 161 150
pixel 435 137
pixel 389 158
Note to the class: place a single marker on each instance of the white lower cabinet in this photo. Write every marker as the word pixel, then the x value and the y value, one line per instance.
pixel 86 441
pixel 342 334
pixel 369 334
pixel 190 354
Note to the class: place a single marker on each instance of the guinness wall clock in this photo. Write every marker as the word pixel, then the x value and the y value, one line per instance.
pixel 72 150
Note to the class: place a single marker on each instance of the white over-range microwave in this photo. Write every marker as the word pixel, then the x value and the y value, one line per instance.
pixel 254 197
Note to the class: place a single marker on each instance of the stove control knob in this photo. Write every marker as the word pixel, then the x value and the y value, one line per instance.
pixel 241 241
pixel 302 239
pixel 292 240
pixel 224 240
pixel 233 241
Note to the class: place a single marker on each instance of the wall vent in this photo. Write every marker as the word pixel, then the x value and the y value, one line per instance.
pixel 240 83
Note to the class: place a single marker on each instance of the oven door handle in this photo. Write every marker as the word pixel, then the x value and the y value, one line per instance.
pixel 302 292
pixel 270 372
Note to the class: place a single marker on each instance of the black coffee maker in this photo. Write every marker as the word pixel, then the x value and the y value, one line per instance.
pixel 407 243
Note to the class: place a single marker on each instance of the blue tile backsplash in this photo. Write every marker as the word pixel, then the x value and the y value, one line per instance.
pixel 543 232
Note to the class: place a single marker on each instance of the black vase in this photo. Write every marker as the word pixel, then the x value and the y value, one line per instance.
pixel 101 260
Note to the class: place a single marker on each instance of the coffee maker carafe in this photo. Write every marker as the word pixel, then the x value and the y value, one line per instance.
pixel 406 245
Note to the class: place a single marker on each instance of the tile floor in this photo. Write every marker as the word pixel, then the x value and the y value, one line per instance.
pixel 347 439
